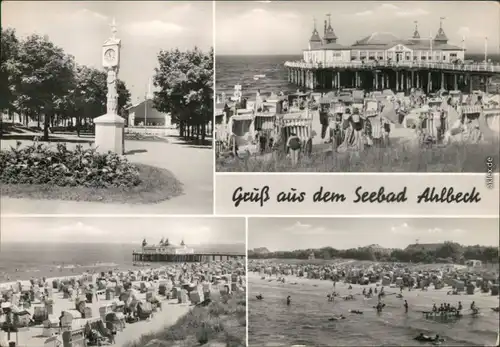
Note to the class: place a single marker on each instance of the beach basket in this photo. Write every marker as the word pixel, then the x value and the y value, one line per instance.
pixel 196 297
pixel 182 297
pixel 144 310
pixel 494 289
pixel 470 289
pixel 438 285
pixel 40 315
pixel 110 294
pixel 175 292
pixel 150 297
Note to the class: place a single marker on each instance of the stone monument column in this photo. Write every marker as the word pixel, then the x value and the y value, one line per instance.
pixel 109 128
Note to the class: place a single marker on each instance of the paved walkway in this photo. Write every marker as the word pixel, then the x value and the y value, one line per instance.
pixel 192 166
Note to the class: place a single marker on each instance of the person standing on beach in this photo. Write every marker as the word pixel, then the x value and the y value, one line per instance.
pixel 293 147
pixel 288 300
pixel 406 306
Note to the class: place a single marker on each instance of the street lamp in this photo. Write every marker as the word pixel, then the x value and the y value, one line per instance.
pixel 485 49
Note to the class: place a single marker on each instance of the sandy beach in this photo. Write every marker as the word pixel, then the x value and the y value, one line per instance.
pixel 162 306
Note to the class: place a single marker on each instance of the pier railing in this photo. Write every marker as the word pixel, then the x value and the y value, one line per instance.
pixel 482 67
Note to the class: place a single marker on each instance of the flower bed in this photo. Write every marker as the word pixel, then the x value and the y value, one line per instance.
pixel 144 137
pixel 39 164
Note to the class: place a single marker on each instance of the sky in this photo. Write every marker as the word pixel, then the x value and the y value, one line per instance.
pixel 284 27
pixel 145 28
pixel 284 234
pixel 124 230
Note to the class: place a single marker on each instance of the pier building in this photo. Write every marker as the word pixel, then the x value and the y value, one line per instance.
pixel 384 61
pixel 165 251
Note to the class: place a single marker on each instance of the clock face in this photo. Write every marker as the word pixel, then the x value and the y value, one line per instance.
pixel 110 55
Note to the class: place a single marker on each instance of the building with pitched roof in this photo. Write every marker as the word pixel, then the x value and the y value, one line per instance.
pixel 383 60
pixel 382 46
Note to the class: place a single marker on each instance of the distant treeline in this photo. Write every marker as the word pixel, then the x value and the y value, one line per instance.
pixel 449 252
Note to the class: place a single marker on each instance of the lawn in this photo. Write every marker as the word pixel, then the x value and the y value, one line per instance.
pixel 221 323
pixel 399 158
pixel 155 185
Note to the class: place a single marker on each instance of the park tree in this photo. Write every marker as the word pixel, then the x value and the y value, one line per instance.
pixel 124 97
pixel 86 100
pixel 186 82
pixel 37 77
pixel 8 56
pixel 450 250
pixel 45 75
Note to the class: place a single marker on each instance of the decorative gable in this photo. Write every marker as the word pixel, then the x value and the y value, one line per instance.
pixel 399 48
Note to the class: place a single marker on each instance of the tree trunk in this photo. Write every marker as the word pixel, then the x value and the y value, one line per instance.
pixel 77 124
pixel 46 124
pixel 203 132
pixel 38 120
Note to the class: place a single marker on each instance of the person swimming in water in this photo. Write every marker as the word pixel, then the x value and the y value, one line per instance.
pixel 288 300
pixel 259 297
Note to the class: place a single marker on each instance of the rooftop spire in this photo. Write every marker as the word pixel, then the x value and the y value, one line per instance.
pixel 315 35
pixel 416 34
pixel 330 36
pixel 113 28
pixel 441 36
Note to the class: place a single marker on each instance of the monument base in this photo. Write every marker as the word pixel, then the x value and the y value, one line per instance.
pixel 109 132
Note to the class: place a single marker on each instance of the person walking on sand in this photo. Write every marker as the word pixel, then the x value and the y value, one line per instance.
pixel 406 306
pixel 293 147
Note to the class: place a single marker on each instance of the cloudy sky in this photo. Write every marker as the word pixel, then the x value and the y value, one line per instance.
pixel 341 233
pixel 284 27
pixel 123 230
pixel 80 28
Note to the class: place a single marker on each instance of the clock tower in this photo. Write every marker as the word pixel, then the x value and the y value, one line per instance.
pixel 109 128
pixel 111 50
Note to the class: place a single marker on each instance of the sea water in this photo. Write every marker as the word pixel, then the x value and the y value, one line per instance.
pixel 305 321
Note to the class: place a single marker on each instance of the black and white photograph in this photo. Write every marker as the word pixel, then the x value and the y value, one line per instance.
pixel 358 86
pixel 106 107
pixel 125 282
pixel 373 282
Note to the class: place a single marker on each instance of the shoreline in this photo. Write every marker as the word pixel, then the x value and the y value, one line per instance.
pixel 437 295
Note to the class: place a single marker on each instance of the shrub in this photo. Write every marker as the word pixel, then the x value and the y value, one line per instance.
pixel 222 321
pixel 39 164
